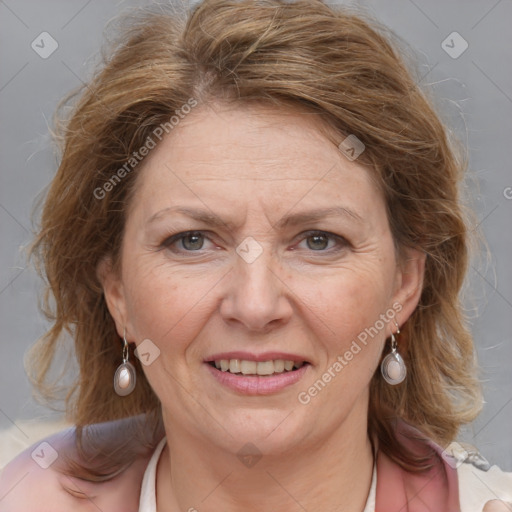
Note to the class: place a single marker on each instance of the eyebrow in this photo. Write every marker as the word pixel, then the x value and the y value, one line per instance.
pixel 294 219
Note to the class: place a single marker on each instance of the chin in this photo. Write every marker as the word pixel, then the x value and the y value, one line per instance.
pixel 270 431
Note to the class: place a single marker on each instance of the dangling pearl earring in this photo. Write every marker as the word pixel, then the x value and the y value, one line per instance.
pixel 125 376
pixel 393 368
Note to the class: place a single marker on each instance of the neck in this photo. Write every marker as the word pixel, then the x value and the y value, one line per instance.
pixel 331 473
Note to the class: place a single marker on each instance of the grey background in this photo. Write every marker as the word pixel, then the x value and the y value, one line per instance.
pixel 474 94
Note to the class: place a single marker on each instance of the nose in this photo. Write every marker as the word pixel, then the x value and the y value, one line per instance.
pixel 256 296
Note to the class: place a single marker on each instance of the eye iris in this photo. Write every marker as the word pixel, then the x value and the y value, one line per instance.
pixel 193 241
pixel 319 242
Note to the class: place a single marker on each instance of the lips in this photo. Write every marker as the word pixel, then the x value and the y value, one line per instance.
pixel 255 384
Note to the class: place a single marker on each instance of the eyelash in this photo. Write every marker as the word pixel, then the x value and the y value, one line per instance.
pixel 342 242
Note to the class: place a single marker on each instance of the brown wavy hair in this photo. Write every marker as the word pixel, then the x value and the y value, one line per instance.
pixel 338 63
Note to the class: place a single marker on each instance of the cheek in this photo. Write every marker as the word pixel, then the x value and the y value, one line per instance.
pixel 349 300
pixel 166 304
pixel 351 313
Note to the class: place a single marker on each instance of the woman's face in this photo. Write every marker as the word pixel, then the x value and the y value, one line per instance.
pixel 291 258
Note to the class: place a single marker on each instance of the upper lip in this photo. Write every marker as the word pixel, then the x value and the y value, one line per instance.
pixel 249 356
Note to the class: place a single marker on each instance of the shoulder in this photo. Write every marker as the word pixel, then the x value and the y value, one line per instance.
pixel 477 487
pixel 35 481
pixel 29 482
pixel 481 487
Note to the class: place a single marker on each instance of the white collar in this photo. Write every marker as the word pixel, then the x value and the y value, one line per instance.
pixel 147 502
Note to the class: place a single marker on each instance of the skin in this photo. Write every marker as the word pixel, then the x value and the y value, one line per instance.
pixel 315 456
pixel 252 167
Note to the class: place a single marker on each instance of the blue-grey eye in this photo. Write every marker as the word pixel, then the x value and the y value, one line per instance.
pixel 192 241
pixel 317 242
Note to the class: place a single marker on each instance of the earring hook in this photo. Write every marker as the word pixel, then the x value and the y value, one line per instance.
pixel 125 347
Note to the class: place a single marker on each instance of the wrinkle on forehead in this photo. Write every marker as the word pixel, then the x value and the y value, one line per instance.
pixel 239 147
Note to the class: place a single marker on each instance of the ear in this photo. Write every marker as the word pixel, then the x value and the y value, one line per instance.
pixel 114 293
pixel 409 282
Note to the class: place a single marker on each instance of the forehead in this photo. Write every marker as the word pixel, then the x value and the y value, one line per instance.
pixel 247 152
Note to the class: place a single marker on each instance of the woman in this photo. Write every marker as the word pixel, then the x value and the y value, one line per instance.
pixel 255 240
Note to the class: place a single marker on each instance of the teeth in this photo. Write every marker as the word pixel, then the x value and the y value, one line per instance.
pixel 288 365
pixel 279 366
pixel 265 368
pixel 256 368
pixel 234 366
pixel 248 367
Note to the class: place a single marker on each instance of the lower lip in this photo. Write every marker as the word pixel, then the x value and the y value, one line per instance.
pixel 257 384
